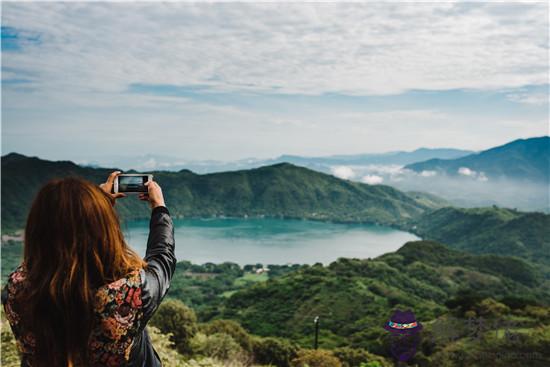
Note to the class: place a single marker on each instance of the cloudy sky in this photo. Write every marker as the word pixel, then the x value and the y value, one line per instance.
pixel 228 81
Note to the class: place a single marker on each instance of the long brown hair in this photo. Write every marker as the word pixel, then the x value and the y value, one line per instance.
pixel 73 245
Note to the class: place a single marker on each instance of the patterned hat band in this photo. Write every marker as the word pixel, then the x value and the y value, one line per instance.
pixel 395 325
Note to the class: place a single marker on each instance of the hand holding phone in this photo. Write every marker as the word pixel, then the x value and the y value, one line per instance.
pixel 154 195
pixel 108 185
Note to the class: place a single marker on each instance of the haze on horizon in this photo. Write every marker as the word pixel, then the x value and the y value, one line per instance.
pixel 232 81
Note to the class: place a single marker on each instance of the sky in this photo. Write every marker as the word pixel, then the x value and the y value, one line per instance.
pixel 230 81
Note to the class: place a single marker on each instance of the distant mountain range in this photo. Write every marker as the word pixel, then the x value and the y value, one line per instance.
pixel 280 190
pixel 323 164
pixel 523 160
pixel 399 157
pixel 513 175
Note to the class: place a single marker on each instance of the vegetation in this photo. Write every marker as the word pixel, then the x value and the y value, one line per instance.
pixel 274 351
pixel 165 348
pixel 221 347
pixel 9 356
pixel 231 328
pixel 354 298
pixel 315 358
pixel 12 254
pixel 446 288
pixel 359 357
pixel 180 321
pixel 281 190
pixel 205 287
pixel 489 230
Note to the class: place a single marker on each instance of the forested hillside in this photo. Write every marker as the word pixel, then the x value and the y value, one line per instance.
pixel 281 190
pixel 355 297
pixel 489 230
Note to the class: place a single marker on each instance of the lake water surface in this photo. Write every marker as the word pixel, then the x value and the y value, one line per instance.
pixel 271 241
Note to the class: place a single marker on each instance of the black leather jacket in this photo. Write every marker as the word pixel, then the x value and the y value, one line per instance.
pixel 156 281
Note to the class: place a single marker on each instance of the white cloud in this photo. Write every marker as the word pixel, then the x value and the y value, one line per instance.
pixel 465 171
pixel 392 169
pixel 427 173
pixel 343 172
pixel 480 176
pixel 149 164
pixel 372 179
pixel 374 48
pixel 530 98
pixel 76 100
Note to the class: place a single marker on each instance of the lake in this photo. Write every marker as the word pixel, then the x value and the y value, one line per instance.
pixel 271 241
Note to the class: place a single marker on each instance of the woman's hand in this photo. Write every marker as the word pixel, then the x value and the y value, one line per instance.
pixel 107 187
pixel 154 194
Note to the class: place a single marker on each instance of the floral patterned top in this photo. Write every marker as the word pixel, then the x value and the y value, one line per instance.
pixel 118 315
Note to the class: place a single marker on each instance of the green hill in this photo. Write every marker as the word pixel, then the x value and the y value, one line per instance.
pixel 280 190
pixel 524 160
pixel 489 230
pixel 354 297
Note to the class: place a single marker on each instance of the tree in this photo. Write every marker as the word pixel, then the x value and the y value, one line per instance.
pixel 491 308
pixel 219 346
pixel 274 351
pixel 164 347
pixel 176 318
pixel 315 358
pixel 229 327
pixel 356 357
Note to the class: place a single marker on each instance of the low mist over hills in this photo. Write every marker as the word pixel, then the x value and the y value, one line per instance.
pixel 514 175
pixel 522 160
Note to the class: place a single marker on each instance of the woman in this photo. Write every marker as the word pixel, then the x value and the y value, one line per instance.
pixel 81 296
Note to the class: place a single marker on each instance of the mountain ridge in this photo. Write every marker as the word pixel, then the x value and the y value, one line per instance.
pixel 280 190
pixel 521 159
pixel 169 163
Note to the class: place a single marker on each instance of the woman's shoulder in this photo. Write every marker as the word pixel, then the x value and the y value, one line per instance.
pixel 123 291
pixel 16 278
pixel 132 279
pixel 18 274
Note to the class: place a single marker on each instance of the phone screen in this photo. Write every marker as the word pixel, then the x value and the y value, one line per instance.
pixel 132 183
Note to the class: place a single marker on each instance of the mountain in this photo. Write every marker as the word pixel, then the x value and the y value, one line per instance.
pixel 397 158
pixel 171 163
pixel 489 230
pixel 323 163
pixel 354 297
pixel 280 190
pixel 524 160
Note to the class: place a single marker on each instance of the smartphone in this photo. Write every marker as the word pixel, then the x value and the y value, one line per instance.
pixel 131 183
